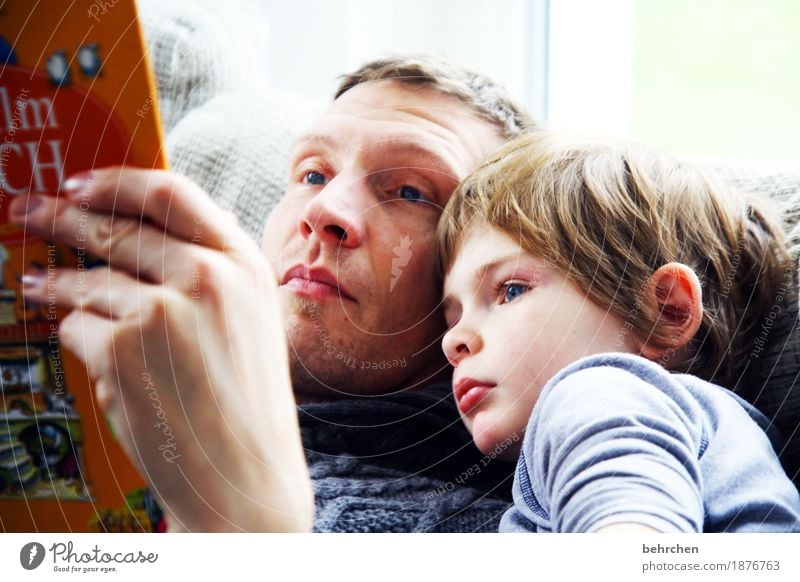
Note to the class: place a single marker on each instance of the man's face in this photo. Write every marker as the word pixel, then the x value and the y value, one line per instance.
pixel 353 240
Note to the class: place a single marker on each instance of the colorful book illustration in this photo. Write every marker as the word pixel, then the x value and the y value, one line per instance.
pixel 75 93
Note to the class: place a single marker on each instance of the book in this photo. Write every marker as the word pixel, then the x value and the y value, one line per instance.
pixel 76 93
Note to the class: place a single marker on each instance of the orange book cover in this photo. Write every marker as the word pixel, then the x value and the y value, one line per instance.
pixel 75 93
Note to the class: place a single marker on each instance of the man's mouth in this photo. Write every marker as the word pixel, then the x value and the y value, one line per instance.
pixel 314 283
pixel 469 393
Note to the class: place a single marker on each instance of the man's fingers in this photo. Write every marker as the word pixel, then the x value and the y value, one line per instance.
pixel 90 337
pixel 125 243
pixel 169 200
pixel 106 292
pixel 93 339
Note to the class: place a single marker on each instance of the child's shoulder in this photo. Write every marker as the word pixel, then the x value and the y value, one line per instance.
pixel 614 383
pixel 612 429
pixel 619 385
pixel 608 387
pixel 611 376
pixel 630 371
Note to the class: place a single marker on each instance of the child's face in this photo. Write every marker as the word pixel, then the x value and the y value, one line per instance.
pixel 514 323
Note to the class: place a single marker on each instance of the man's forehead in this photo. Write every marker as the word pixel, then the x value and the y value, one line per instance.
pixel 387 144
pixel 383 108
pixel 387 114
pixel 389 94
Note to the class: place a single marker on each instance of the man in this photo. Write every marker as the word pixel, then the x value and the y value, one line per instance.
pixel 190 301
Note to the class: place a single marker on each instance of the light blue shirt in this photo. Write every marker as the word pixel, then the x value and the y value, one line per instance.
pixel 616 438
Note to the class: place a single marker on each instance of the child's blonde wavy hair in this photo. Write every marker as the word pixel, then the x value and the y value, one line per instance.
pixel 608 216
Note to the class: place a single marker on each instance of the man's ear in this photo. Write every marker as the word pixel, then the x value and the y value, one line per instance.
pixel 675 295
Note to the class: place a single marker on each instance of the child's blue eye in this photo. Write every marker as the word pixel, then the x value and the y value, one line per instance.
pixel 314 178
pixel 411 193
pixel 512 291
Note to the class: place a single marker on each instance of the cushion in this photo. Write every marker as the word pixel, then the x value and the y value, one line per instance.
pixel 200 49
pixel 236 146
pixel 775 389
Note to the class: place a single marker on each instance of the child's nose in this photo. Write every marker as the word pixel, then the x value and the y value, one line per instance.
pixel 459 342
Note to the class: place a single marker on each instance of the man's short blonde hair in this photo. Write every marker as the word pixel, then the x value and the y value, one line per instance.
pixel 484 96
pixel 608 216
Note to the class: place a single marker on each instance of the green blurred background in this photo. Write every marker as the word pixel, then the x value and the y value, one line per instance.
pixel 718 77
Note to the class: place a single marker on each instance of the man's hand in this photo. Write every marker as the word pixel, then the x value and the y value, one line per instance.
pixel 181 333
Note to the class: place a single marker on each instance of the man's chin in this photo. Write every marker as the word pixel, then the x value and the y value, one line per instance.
pixel 330 366
pixel 301 306
pixel 327 378
pixel 317 380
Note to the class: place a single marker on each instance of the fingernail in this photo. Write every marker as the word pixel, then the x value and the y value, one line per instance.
pixel 75 185
pixel 24 206
pixel 32 279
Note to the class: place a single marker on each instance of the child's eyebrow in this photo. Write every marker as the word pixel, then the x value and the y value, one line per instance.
pixel 516 257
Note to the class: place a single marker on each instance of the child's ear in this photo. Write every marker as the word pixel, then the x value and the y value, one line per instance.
pixel 674 292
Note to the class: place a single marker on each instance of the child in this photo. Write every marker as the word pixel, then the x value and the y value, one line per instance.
pixel 588 289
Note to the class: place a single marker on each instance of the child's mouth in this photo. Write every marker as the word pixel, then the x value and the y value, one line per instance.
pixel 469 393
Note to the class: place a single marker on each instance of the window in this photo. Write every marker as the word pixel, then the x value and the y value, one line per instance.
pixel 313 41
pixel 697 77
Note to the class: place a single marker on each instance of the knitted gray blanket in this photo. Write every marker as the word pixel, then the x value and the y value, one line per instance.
pixel 401 463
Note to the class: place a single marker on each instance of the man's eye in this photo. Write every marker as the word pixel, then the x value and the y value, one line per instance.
pixel 314 178
pixel 411 193
pixel 451 321
pixel 511 291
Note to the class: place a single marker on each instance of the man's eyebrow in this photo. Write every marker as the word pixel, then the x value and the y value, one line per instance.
pixel 426 158
pixel 448 301
pixel 308 139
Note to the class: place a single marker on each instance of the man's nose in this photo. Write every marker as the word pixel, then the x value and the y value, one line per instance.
pixel 461 342
pixel 335 214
